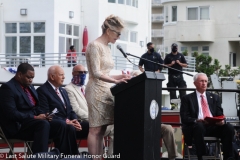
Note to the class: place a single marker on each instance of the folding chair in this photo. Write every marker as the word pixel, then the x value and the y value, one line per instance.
pixel 209 141
pixel 11 142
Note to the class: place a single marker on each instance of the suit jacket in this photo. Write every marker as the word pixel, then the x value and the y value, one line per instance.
pixel 189 107
pixel 49 100
pixel 15 107
pixel 78 101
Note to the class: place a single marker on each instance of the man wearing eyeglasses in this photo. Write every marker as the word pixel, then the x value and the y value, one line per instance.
pixel 76 94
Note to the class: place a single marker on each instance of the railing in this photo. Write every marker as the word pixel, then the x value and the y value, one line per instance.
pixel 157 17
pixel 157 33
pixel 48 59
pixel 156 2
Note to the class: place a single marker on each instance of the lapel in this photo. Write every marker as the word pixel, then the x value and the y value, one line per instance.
pixel 34 93
pixel 19 88
pixel 195 102
pixel 79 92
pixel 53 92
pixel 210 101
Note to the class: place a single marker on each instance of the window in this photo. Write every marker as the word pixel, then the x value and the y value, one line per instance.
pixel 183 49
pixel 133 37
pixel 11 27
pixel 198 13
pixel 39 44
pixel 120 1
pixel 25 45
pixel 204 13
pixel 194 49
pixel 232 59
pixel 39 27
pixel 111 1
pixel 62 28
pixel 61 45
pixel 174 13
pixel 68 36
pixel 11 45
pixel 192 13
pixel 76 31
pixel 69 29
pixel 24 38
pixel 205 50
pixel 25 27
pixel 129 2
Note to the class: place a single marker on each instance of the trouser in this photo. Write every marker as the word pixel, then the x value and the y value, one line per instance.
pixel 176 81
pixel 167 135
pixel 199 131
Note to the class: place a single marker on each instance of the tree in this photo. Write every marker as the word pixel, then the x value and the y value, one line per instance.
pixel 204 64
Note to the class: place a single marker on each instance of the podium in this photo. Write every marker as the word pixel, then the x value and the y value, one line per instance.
pixel 137 117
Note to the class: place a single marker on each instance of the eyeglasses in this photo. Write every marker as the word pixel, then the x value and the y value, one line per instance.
pixel 118 33
pixel 82 72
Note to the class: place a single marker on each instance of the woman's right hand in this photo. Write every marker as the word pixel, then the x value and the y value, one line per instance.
pixel 121 80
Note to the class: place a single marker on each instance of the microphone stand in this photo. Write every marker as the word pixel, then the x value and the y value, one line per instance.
pixel 160 64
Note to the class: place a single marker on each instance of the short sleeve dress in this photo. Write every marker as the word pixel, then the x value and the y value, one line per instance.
pixel 99 98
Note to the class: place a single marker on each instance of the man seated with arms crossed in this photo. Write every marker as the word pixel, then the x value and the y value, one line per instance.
pixel 194 108
pixel 76 93
pixel 21 117
pixel 51 96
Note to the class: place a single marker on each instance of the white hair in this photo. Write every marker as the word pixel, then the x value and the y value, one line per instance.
pixel 195 77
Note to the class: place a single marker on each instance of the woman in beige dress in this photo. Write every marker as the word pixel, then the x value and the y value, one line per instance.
pixel 98 95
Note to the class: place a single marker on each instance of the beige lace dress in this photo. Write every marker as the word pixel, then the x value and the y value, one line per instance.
pixel 99 98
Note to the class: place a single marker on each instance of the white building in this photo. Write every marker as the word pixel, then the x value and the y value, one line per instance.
pixel 43 26
pixel 210 27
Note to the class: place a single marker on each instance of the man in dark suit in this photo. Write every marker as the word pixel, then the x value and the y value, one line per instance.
pixel 21 117
pixel 194 108
pixel 52 95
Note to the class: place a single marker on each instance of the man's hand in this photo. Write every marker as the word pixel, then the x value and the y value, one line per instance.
pixel 75 124
pixel 40 116
pixel 49 117
pixel 202 120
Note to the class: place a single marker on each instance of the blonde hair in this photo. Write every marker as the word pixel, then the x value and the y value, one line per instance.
pixel 112 22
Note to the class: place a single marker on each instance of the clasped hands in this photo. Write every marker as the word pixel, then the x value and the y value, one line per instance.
pixel 75 124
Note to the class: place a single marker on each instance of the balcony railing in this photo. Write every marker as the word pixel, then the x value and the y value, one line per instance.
pixel 157 17
pixel 49 59
pixel 157 33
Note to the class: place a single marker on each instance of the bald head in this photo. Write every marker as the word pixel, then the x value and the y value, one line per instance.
pixel 56 75
pixel 78 68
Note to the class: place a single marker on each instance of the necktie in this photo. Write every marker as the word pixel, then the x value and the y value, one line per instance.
pixel 60 96
pixel 205 109
pixel 82 91
pixel 29 96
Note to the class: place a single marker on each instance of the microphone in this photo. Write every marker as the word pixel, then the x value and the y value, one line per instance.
pixel 121 50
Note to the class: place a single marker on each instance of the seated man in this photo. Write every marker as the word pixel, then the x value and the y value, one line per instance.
pixel 194 108
pixel 19 113
pixel 76 93
pixel 52 95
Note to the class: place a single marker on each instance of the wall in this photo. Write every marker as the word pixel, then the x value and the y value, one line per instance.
pixel 226 25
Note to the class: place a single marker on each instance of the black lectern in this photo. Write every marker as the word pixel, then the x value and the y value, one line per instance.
pixel 137 117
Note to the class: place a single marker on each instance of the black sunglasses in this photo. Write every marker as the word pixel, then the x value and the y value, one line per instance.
pixel 82 72
pixel 118 33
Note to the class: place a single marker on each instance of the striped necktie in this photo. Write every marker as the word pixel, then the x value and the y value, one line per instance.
pixel 205 109
pixel 30 97
pixel 60 96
